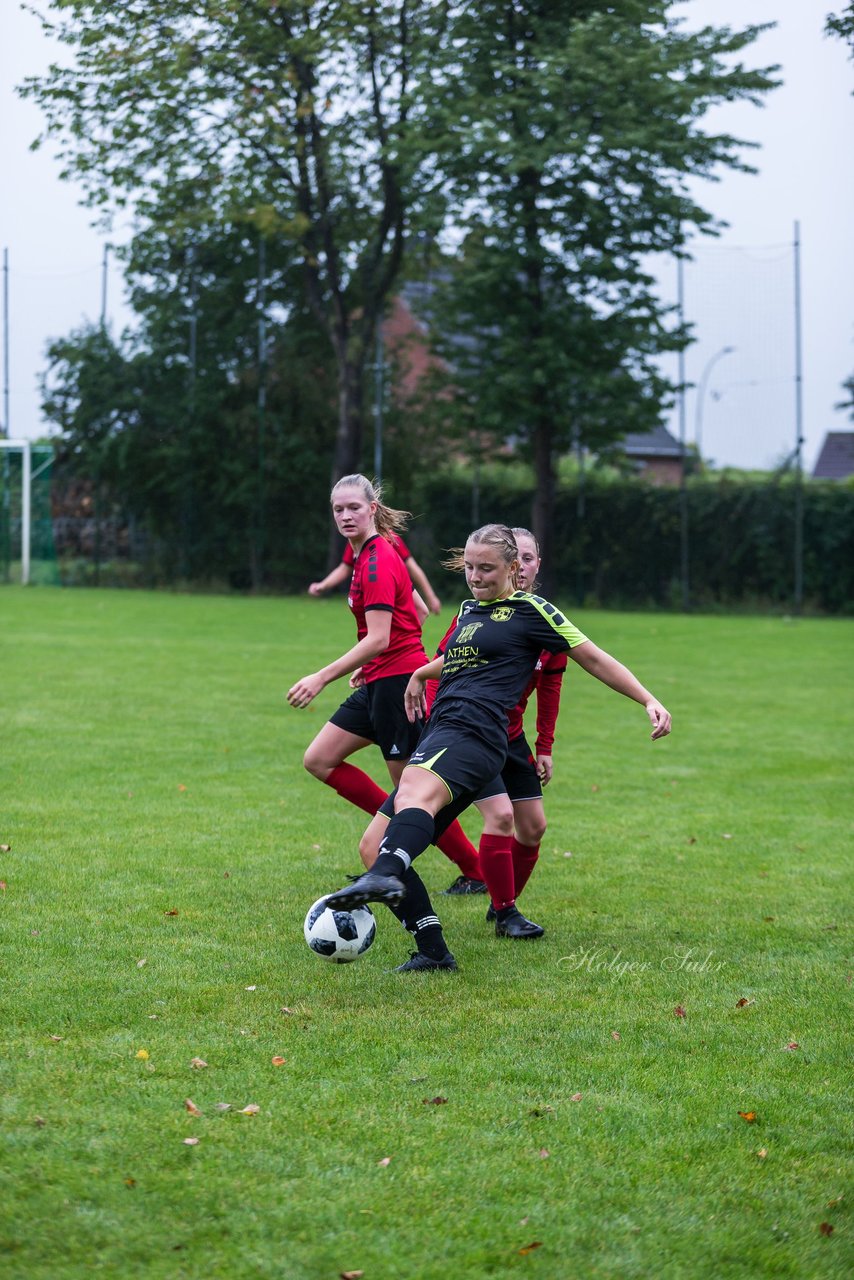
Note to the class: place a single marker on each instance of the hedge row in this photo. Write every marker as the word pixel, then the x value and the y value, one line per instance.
pixel 618 542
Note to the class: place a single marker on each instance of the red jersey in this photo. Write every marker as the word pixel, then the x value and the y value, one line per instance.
pixel 395 540
pixel 380 581
pixel 546 678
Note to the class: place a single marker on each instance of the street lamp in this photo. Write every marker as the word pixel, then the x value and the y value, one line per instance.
pixel 701 396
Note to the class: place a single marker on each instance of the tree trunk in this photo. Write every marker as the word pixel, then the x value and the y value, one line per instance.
pixel 347 457
pixel 542 508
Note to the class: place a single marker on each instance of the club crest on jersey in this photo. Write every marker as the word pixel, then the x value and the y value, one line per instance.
pixel 464 636
pixel 501 615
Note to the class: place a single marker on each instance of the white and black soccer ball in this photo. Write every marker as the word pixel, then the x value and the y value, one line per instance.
pixel 339 936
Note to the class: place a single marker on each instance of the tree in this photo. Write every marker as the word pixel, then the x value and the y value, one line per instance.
pixel 170 423
pixel 569 129
pixel 295 117
pixel 842 25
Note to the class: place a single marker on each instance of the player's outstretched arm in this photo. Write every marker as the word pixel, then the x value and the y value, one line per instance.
pixel 370 646
pixel 422 583
pixel 337 575
pixel 600 664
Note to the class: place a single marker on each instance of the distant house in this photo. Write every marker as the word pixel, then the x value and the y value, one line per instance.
pixel 836 460
pixel 656 455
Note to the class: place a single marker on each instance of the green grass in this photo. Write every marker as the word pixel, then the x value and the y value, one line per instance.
pixel 151 765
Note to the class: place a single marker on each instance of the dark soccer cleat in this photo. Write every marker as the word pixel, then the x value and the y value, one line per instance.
pixel 369 887
pixel 419 963
pixel 515 925
pixel 491 914
pixel 465 884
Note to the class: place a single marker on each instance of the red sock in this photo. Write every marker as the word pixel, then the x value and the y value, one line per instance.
pixel 524 860
pixel 496 864
pixel 354 785
pixel 456 845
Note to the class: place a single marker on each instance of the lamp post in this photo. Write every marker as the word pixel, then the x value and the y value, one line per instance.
pixel 701 396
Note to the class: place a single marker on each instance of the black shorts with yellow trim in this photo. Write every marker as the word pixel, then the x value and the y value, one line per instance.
pixel 376 712
pixel 464 754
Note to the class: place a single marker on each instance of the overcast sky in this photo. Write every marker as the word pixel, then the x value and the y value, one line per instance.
pixel 739 294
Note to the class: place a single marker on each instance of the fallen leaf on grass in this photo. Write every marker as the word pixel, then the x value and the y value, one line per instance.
pixel 594 787
pixel 181 787
pixel 285 1009
pixel 130 1182
pixel 692 839
pixel 351 1275
pixel 831 1204
pixel 57 1038
pixel 2 886
pixel 143 1055
pixel 191 1142
pixel 39 1122
pixel 567 854
pixel 140 964
pixel 173 912
pixel 535 1244
pixel 278 1061
pixel 615 1035
pixel 542 1111
pixel 743 1003
pixel 544 1154
pixel 748 1116
pixel 435 1102
pixel 252 988
pixel 198 1064
pixel 5 848
pixel 769 919
pixel 576 1097
pixel 825 1228
pixel 386 1160
pixel 793 1044
pixel 762 1153
pixel 251 1109
pixel 680 1012
pixel 190 1106
pixel 727 835
pixel 222 1106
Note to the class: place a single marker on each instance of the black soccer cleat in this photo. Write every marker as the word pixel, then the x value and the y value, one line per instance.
pixel 464 884
pixel 419 963
pixel 515 925
pixel 369 887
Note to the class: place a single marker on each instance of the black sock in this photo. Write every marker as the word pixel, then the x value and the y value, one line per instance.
pixel 420 918
pixel 408 834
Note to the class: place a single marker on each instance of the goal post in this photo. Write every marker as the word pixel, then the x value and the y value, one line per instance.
pixel 24 471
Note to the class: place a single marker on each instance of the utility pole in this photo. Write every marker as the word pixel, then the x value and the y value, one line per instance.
pixel 799 433
pixel 683 484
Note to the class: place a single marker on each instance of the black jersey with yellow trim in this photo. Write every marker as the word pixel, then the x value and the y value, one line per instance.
pixel 494 648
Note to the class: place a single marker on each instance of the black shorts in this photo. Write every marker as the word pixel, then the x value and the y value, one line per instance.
pixel 465 754
pixel 376 712
pixel 519 777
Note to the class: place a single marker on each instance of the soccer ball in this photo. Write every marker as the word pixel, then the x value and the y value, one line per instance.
pixel 339 936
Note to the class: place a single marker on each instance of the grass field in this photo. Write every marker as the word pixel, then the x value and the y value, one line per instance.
pixel 165 844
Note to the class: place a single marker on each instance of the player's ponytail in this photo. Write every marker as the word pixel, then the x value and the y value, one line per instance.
pixel 499 536
pixel 388 520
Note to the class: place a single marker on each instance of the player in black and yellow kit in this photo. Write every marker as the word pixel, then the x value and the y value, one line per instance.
pixel 487 664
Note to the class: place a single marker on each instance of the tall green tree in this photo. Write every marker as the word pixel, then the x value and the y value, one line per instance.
pixel 569 130
pixel 294 116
